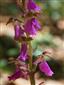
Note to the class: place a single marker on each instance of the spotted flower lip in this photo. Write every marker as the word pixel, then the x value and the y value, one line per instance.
pixel 23 52
pixel 18 31
pixel 32 26
pixel 44 67
pixel 31 5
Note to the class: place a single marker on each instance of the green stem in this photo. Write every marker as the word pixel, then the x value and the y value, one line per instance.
pixel 32 80
pixel 24 4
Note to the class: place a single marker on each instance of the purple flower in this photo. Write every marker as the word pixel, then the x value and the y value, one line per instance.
pixel 31 5
pixel 18 31
pixel 31 26
pixel 44 67
pixel 23 52
pixel 16 75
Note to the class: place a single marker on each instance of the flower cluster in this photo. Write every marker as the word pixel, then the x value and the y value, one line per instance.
pixel 32 6
pixel 30 27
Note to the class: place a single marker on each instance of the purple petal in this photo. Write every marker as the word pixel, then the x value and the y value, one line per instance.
pixel 31 26
pixel 36 23
pixel 44 67
pixel 23 53
pixel 37 9
pixel 32 6
pixel 22 32
pixel 18 31
pixel 16 75
pixel 33 31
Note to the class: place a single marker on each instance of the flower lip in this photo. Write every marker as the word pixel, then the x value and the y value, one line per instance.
pixel 44 67
pixel 16 75
pixel 23 52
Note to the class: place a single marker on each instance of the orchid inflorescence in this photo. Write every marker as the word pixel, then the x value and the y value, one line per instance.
pixel 24 34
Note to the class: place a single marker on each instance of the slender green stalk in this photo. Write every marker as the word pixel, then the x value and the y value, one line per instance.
pixel 32 80
pixel 24 4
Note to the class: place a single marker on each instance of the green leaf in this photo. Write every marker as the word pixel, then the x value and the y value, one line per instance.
pixel 37 52
pixel 12 52
pixel 3 63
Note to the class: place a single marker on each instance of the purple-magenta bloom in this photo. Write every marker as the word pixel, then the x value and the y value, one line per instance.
pixel 19 73
pixel 16 75
pixel 44 67
pixel 31 5
pixel 23 52
pixel 32 26
pixel 18 31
